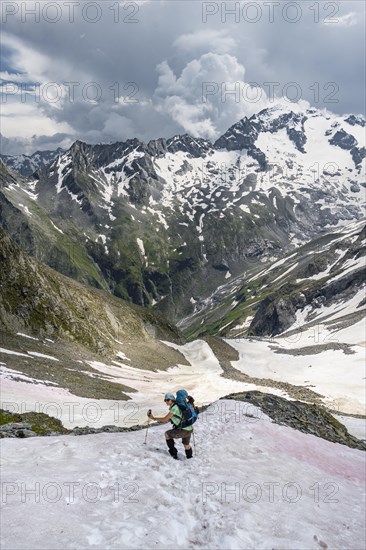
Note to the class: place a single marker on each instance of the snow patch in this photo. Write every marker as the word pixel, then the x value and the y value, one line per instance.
pixel 140 243
pixel 42 356
pixel 27 336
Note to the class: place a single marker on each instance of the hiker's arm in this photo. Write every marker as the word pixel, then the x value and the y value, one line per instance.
pixel 162 418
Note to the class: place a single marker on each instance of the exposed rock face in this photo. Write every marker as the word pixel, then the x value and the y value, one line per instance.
pixel 7 177
pixel 310 419
pixel 343 140
pixel 277 313
pixel 349 143
pixel 274 315
pixel 244 134
pixel 356 120
pixel 358 154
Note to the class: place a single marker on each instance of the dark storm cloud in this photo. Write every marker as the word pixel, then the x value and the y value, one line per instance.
pixel 170 51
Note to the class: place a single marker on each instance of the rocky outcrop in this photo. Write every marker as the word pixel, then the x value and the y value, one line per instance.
pixel 354 120
pixel 16 429
pixel 243 135
pixel 343 140
pixel 358 154
pixel 275 315
pixel 310 419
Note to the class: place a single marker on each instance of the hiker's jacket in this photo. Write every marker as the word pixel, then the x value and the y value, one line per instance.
pixel 178 417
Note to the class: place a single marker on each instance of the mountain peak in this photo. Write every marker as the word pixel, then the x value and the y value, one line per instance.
pixel 79 145
pixel 189 144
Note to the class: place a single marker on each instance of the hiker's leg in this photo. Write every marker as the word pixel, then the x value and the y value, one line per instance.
pixel 172 448
pixel 182 434
pixel 170 442
pixel 189 452
pixel 187 446
pixel 186 439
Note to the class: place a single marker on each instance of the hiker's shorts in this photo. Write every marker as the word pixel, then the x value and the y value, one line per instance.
pixel 179 433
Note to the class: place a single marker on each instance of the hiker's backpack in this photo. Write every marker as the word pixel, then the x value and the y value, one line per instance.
pixel 187 408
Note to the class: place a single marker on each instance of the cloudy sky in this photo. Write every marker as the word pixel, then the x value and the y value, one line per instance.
pixel 107 71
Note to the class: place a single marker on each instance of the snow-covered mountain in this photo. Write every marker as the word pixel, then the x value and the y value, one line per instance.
pixel 167 222
pixel 26 165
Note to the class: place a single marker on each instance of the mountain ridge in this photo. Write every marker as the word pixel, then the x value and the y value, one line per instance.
pixel 165 223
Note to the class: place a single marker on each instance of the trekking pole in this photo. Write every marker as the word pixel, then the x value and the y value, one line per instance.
pixel 194 442
pixel 147 427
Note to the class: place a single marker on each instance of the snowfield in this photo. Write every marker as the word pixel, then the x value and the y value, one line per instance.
pixel 202 378
pixel 337 376
pixel 340 378
pixel 252 484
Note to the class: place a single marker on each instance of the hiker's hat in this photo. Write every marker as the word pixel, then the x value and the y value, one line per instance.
pixel 169 396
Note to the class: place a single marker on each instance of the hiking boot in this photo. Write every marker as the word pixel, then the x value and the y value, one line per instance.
pixel 189 453
pixel 172 448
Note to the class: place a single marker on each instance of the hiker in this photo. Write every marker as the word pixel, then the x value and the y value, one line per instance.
pixel 175 415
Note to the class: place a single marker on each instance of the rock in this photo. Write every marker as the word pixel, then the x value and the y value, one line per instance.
pixel 358 154
pixel 274 315
pixel 87 430
pixel 343 140
pixel 311 419
pixel 356 120
pixel 355 188
pixel 16 429
pixel 15 426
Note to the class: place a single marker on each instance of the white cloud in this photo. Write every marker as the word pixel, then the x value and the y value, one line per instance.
pixel 200 99
pixel 206 41
pixel 30 120
pixel 14 77
pixel 27 61
pixel 211 94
